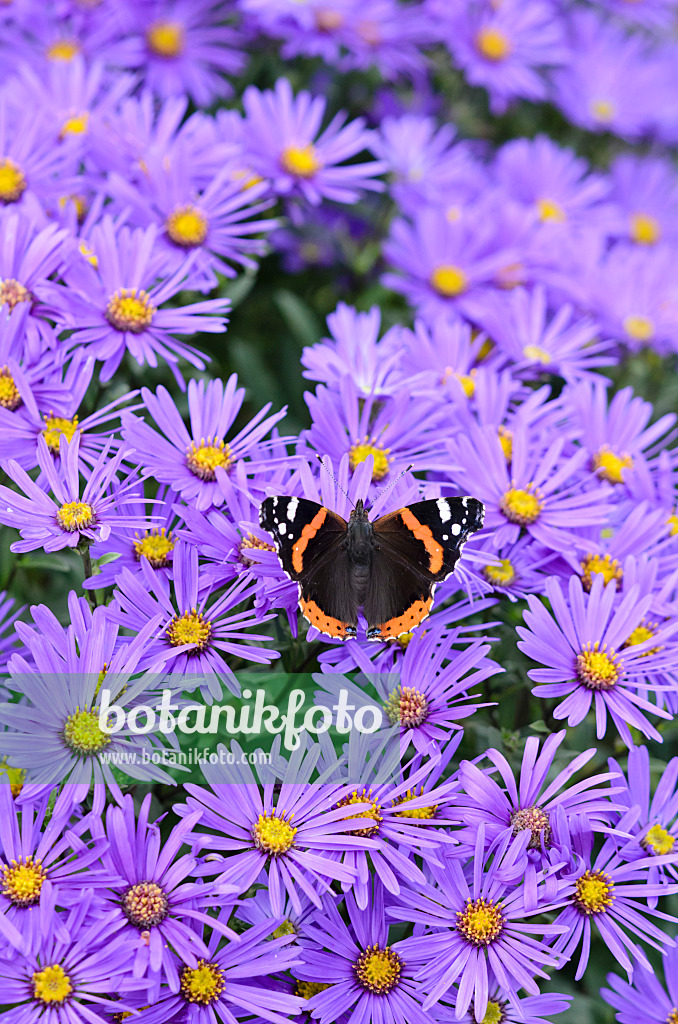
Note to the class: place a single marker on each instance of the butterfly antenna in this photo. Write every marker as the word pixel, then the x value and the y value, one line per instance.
pixel 330 473
pixel 394 481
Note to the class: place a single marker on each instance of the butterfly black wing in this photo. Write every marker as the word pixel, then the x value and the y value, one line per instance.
pixel 309 540
pixel 415 548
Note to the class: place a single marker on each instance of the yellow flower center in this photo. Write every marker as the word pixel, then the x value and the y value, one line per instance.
pixel 481 922
pixel 63 49
pixel 130 309
pixel 190 628
pixel 597 668
pixel 640 328
pixel 639 635
pixel 187 226
pixel 81 206
pixel 204 459
pixel 373 812
pixel 659 841
pixel 165 38
pixel 449 280
pixel 608 465
pixel 202 984
pixel 11 292
pixel 672 523
pixel 521 505
pixel 55 426
pixel 378 970
pixel 501 575
pixel 537 355
pixel 75 125
pixel 493 44
pixel 286 928
pixel 645 229
pixel 273 834
pixel 88 253
pixel 672 1017
pixel 550 210
pixel 407 707
pixel 145 905
pixel 594 893
pixel 76 515
pixel 15 777
pixel 9 392
pixel 83 735
pixel 302 161
pixel 51 985
pixel 155 545
pixel 21 881
pixel 534 820
pixel 250 542
pixel 603 565
pixel 494 1014
pixel 308 989
pixel 418 813
pixel 603 110
pixel 359 452
pixel 468 383
pixel 506 442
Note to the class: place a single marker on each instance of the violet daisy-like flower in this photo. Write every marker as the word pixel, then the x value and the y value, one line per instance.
pixel 33 170
pixel 645 192
pixel 154 905
pixel 475 929
pixel 611 894
pixel 75 515
pixel 521 1010
pixel 291 836
pixel 352 968
pixel 285 145
pixel 194 632
pixel 522 812
pixel 115 306
pixel 645 1000
pixel 8 639
pixel 233 979
pixel 188 460
pixel 67 977
pixel 583 643
pixel 655 832
pixel 540 491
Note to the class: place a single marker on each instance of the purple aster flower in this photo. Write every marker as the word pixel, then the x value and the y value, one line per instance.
pixel 188 461
pixel 8 617
pixel 115 305
pixel 75 515
pixel 540 491
pixel 447 264
pixel 616 434
pixel 193 631
pixel 519 569
pixel 655 832
pixel 25 380
pixel 475 929
pixel 645 1000
pixel 645 192
pixel 46 860
pixel 285 145
pixel 291 836
pixel 185 48
pixel 536 343
pixel 425 700
pixel 652 14
pixel 526 1010
pixel 603 891
pixel 503 48
pixel 66 977
pixel 386 35
pixel 233 978
pixel 354 347
pixel 522 813
pixel 633 296
pixel 215 221
pixel 584 646
pixel 153 905
pixel 363 975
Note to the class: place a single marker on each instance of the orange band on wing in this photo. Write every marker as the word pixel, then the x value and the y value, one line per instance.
pixel 435 551
pixel 415 614
pixel 307 534
pixel 325 623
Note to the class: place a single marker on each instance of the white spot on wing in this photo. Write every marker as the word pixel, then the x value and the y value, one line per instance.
pixel 292 508
pixel 456 529
pixel 444 510
pixel 282 529
pixel 445 536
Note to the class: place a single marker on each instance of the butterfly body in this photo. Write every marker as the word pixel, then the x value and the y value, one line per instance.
pixel 389 567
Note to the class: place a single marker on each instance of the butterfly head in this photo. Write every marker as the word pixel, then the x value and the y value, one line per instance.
pixel 359 513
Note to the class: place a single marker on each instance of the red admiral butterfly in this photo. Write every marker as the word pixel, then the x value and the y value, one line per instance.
pixel 389 567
